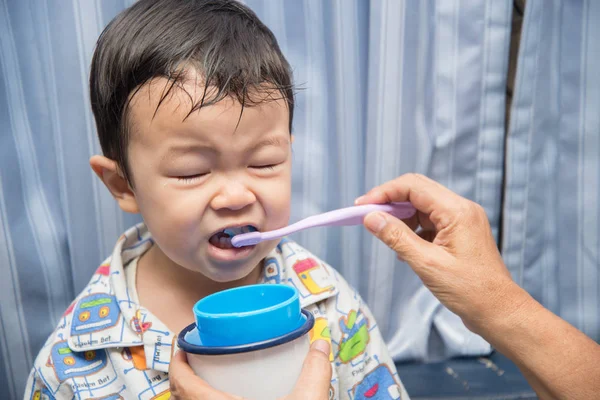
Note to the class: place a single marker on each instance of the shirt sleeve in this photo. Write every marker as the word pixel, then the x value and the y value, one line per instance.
pixel 42 383
pixel 36 389
pixel 364 367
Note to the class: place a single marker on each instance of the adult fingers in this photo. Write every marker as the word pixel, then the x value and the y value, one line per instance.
pixel 315 379
pixel 185 385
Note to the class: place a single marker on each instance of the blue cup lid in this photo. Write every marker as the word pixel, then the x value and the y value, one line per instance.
pixel 247 314
pixel 189 339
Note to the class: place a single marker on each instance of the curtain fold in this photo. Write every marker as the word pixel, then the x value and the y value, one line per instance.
pixel 551 216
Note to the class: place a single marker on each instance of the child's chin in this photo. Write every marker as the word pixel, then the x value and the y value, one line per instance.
pixel 224 275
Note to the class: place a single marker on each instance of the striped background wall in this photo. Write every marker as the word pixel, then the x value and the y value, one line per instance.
pixel 552 220
pixel 388 87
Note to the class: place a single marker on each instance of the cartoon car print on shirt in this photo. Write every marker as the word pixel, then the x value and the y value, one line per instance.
pixel 103 270
pixel 355 336
pixel 137 355
pixel 166 395
pixel 321 331
pixel 94 313
pixel 313 275
pixel 42 394
pixel 379 384
pixel 69 364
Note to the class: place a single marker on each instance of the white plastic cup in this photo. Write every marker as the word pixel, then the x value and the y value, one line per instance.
pixel 261 370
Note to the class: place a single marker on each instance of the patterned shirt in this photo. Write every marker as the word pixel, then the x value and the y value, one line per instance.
pixel 107 346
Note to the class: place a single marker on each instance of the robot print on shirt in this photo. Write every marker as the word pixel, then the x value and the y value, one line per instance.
pixel 355 336
pixel 95 312
pixel 68 364
pixel 379 384
pixel 313 276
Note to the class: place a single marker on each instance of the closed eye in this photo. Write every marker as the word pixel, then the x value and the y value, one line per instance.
pixel 190 178
pixel 265 167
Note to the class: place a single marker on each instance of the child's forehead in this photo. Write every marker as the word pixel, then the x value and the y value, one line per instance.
pixel 152 114
pixel 179 98
pixel 161 92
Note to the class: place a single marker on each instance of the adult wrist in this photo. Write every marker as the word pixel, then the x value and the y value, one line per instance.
pixel 506 315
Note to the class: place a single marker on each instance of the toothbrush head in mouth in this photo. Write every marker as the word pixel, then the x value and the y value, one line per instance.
pixel 248 239
pixel 222 238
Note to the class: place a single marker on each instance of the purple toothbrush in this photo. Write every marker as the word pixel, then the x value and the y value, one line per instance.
pixel 341 217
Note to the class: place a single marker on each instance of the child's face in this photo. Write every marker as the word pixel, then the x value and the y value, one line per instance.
pixel 194 178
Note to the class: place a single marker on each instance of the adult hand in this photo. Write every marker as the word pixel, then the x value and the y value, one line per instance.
pixel 313 383
pixel 455 255
pixel 454 252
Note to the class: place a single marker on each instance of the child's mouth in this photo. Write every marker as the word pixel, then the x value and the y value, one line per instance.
pixel 222 239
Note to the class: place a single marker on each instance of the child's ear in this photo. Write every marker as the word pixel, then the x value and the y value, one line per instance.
pixel 108 171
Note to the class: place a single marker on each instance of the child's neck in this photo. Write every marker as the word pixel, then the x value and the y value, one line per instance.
pixel 170 291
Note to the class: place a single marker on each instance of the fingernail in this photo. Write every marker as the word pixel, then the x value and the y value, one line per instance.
pixel 375 222
pixel 357 201
pixel 322 346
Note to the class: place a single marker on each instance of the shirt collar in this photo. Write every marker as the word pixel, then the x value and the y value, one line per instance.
pixel 106 316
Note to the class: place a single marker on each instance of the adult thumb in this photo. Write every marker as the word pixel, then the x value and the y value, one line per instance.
pixel 315 378
pixel 398 236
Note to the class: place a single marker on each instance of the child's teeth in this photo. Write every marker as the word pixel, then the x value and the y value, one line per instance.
pixel 229 232
pixel 223 239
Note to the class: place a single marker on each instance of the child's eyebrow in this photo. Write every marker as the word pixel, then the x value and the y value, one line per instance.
pixel 175 151
pixel 276 141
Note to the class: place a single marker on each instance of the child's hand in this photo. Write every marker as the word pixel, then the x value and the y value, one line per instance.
pixel 313 383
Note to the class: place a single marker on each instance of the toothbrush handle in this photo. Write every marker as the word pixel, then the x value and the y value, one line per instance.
pixel 355 215
pixel 342 217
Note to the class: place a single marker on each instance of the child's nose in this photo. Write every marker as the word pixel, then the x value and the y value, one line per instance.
pixel 233 196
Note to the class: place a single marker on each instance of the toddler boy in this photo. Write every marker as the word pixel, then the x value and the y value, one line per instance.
pixel 193 102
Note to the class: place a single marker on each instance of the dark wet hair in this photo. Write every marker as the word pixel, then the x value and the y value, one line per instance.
pixel 222 40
